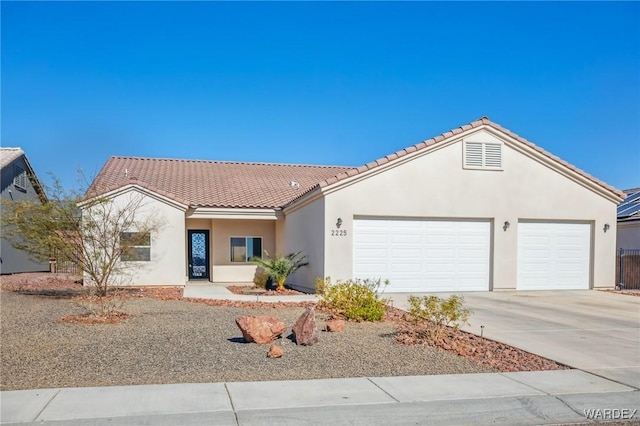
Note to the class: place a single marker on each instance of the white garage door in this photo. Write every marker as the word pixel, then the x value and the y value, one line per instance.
pixel 423 255
pixel 553 256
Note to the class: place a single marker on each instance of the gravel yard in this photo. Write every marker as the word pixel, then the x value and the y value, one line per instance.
pixel 179 341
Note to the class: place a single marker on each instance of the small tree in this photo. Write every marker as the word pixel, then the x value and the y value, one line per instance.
pixel 92 231
pixel 280 267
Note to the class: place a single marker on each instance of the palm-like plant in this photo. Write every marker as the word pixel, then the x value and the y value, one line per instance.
pixel 280 267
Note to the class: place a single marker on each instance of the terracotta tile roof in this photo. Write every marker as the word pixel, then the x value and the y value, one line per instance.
pixel 263 185
pixel 200 183
pixel 484 121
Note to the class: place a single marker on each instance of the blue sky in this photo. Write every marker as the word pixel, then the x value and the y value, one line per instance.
pixel 317 83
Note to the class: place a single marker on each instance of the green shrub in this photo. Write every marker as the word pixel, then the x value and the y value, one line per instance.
pixel 359 300
pixel 280 267
pixel 441 313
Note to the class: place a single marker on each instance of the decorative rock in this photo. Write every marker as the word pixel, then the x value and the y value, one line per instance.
pixel 334 325
pixel 261 329
pixel 275 351
pixel 305 330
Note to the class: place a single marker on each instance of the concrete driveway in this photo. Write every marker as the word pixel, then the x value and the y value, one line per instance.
pixel 595 331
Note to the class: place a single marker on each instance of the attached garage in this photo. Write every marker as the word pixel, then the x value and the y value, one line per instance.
pixel 423 255
pixel 553 255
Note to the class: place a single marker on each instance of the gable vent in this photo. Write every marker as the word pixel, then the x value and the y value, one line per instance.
pixel 493 155
pixel 19 178
pixel 483 155
pixel 473 154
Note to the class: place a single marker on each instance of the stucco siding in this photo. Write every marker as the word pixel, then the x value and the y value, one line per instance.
pixel 435 185
pixel 628 235
pixel 225 271
pixel 167 264
pixel 305 229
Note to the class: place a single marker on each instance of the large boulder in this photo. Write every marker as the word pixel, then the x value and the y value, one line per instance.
pixel 261 329
pixel 305 329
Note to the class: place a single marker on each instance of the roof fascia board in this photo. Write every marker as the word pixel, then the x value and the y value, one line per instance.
pixel 233 213
pixel 305 200
pixel 133 187
pixel 35 182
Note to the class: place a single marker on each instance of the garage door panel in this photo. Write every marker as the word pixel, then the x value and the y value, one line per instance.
pixel 435 255
pixel 553 255
pixel 406 252
pixel 434 239
pixel 425 255
pixel 373 253
pixel 405 268
pixel 406 239
pixel 471 268
pixel 471 238
pixel 471 253
pixel 438 269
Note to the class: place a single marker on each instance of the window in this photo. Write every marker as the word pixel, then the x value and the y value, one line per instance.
pixel 136 246
pixel 483 155
pixel 19 178
pixel 244 248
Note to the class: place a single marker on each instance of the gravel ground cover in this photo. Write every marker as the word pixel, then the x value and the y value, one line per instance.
pixel 177 341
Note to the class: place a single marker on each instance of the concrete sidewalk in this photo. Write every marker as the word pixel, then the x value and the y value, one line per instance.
pixel 524 398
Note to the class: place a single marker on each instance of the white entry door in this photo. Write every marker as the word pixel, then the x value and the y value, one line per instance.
pixel 553 256
pixel 423 255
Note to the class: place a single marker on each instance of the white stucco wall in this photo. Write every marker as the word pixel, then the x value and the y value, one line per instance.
pixel 222 269
pixel 435 185
pixel 304 229
pixel 167 265
pixel 628 236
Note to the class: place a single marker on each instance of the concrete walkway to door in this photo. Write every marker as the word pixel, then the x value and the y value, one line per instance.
pixel 595 331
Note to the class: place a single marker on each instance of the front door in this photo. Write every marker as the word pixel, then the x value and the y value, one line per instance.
pixel 198 254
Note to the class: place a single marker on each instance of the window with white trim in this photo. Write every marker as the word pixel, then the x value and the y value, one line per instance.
pixel 136 246
pixel 19 178
pixel 244 248
pixel 482 155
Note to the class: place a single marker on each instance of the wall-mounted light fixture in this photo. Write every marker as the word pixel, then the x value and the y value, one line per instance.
pixel 606 227
pixel 506 225
pixel 339 223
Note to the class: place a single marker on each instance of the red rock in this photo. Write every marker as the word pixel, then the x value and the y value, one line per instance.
pixel 260 329
pixel 334 325
pixel 275 352
pixel 305 329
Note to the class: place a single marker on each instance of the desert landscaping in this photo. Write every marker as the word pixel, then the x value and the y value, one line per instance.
pixel 167 339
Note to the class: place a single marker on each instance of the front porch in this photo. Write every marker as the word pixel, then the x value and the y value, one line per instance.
pixel 218 250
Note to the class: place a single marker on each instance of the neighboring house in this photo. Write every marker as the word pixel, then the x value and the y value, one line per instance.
pixel 19 182
pixel 628 234
pixel 476 208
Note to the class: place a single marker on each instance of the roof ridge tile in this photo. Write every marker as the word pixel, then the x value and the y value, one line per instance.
pixel 229 162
